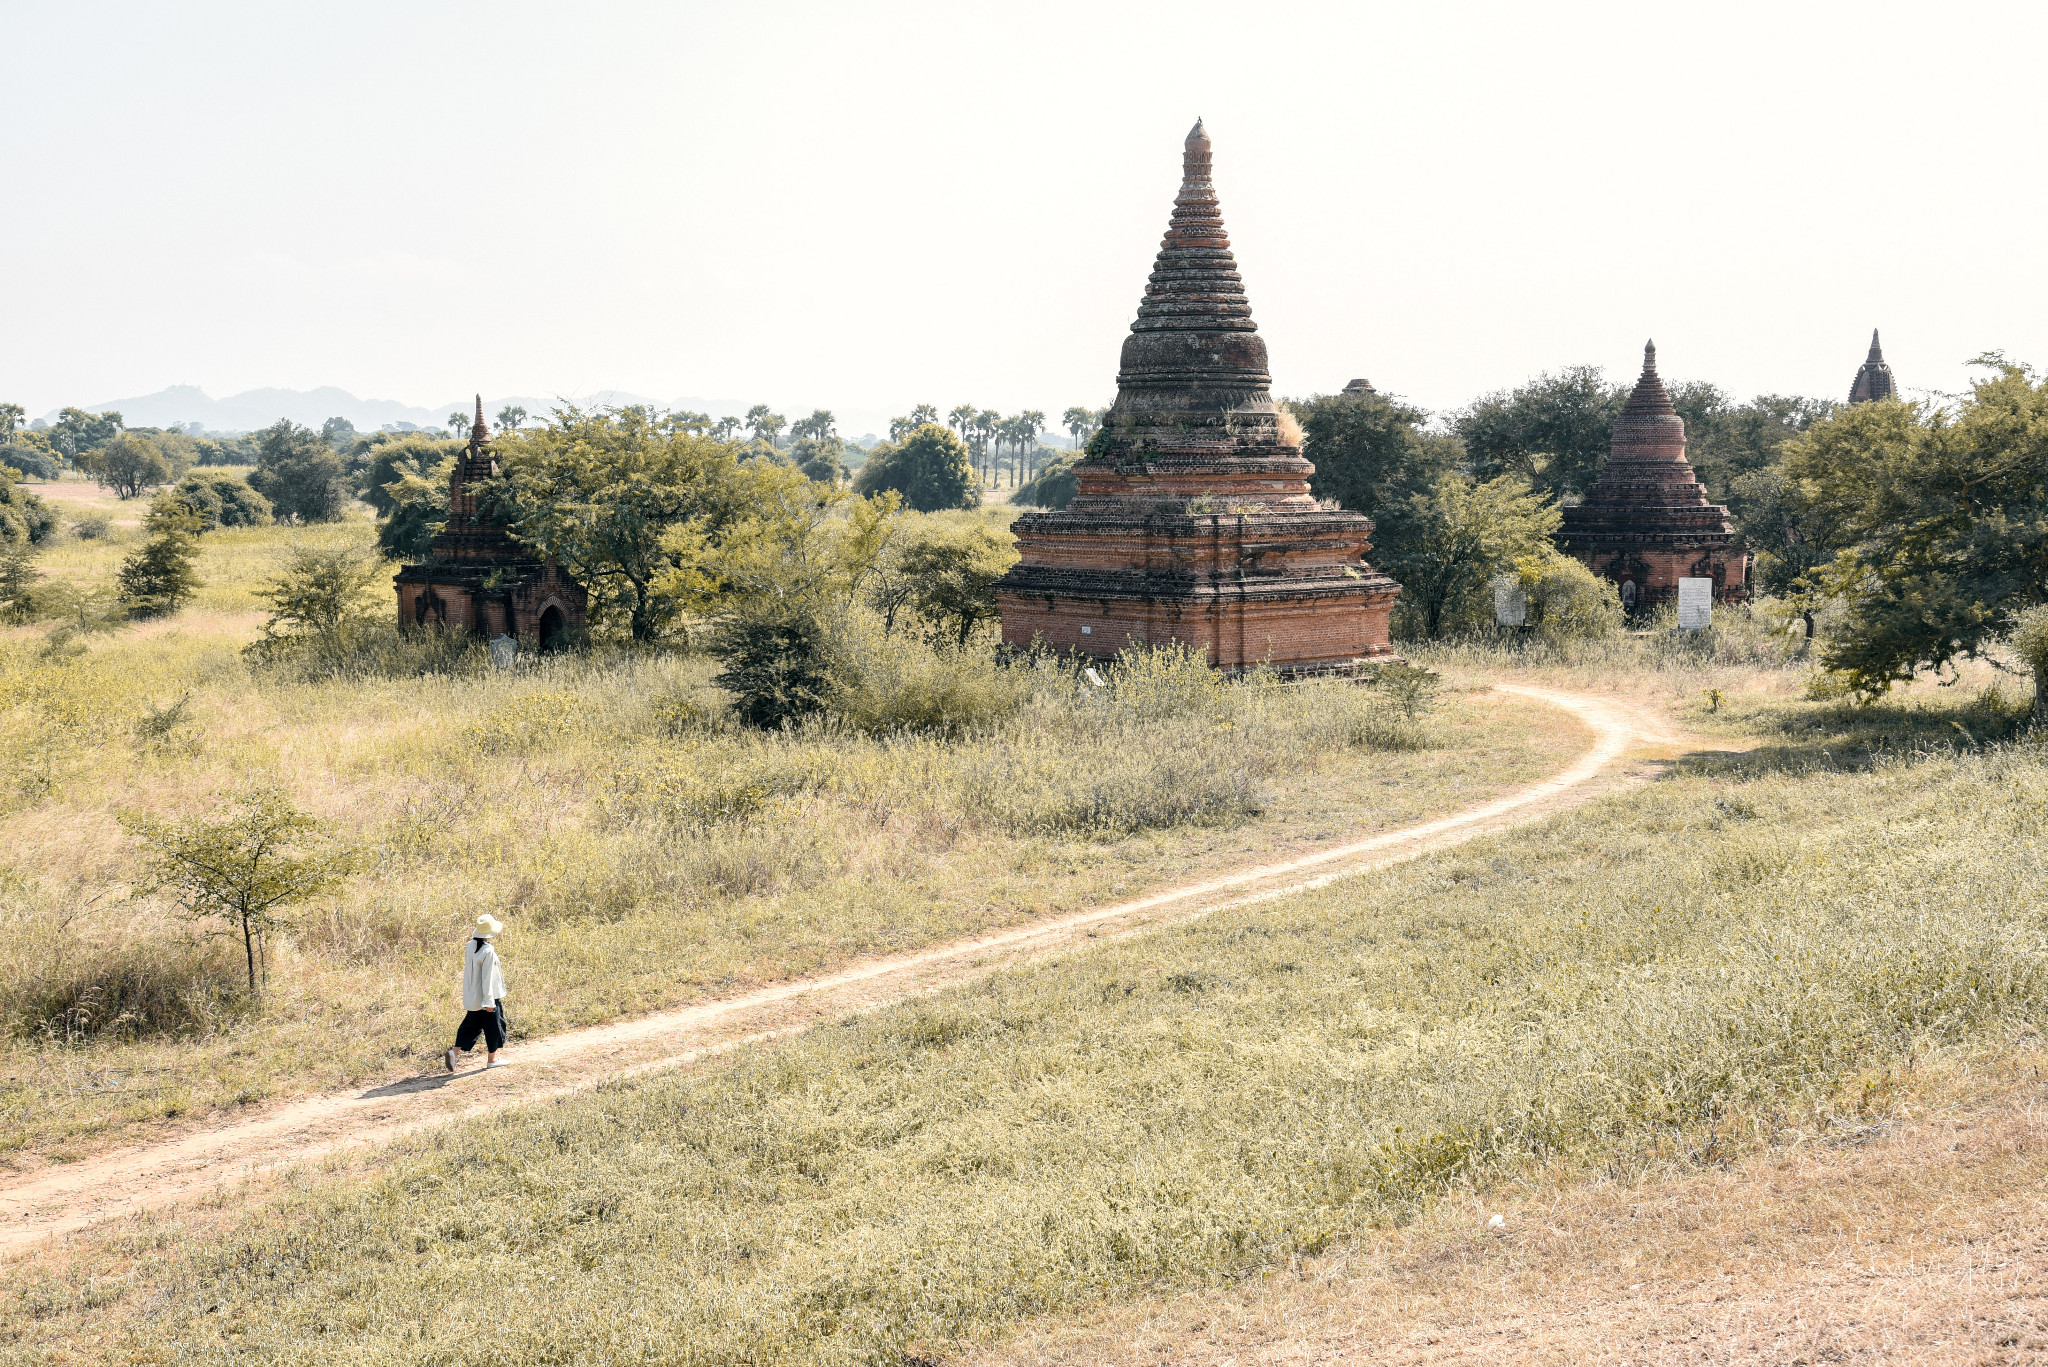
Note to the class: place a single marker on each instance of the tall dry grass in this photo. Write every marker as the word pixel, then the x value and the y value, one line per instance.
pixel 1645 979
pixel 643 850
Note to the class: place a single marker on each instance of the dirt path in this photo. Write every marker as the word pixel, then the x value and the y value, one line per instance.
pixel 63 1199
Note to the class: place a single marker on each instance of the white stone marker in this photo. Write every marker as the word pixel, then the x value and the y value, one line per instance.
pixel 1695 604
pixel 504 650
pixel 1510 602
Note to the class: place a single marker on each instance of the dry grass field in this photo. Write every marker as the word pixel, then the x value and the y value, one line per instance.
pixel 643 852
pixel 1763 948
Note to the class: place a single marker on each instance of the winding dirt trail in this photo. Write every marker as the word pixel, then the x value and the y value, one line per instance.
pixel 61 1200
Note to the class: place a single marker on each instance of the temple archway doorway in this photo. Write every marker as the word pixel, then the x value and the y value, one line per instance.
pixel 552 627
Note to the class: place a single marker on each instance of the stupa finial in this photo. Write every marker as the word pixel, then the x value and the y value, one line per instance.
pixel 1650 358
pixel 479 434
pixel 1876 352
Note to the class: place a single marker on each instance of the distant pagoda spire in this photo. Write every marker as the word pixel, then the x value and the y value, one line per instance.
pixel 1650 399
pixel 479 434
pixel 1874 378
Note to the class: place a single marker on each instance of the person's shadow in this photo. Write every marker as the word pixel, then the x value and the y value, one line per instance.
pixel 425 1082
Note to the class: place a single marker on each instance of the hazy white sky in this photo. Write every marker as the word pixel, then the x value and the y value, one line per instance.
pixel 869 206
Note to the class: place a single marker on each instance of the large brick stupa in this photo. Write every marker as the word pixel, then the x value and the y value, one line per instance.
pixel 1646 522
pixel 1192 521
pixel 1874 378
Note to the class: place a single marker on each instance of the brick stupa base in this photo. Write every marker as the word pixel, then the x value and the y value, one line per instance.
pixel 1192 521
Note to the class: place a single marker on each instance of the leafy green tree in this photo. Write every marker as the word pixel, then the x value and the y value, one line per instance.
pixel 414 453
pixel 244 866
pixel 299 473
pixel 77 431
pixel 1942 517
pixel 2029 638
pixel 25 518
pixel 510 416
pixel 158 578
pixel 321 589
pixel 419 510
pixel 1553 431
pixel 1372 456
pixel 627 504
pixel 127 464
pixel 820 458
pixel 19 579
pixel 339 433
pixel 28 460
pixel 777 663
pixel 931 469
pixel 1460 535
pixel 1725 440
pixel 954 573
pixel 1054 486
pixel 222 500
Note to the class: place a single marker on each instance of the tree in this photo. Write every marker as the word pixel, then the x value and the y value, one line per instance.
pixel 1029 424
pixel 320 589
pixel 24 518
pixel 626 504
pixel 931 469
pixel 418 511
pixel 1553 431
pixel 953 573
pixel 961 420
pixel 1941 517
pixel 244 866
pixel 388 459
pixel 19 579
pixel 1054 486
pixel 339 433
pixel 1372 456
pixel 1077 421
pixel 777 664
pixel 986 424
pixel 1462 534
pixel 126 465
pixel 510 416
pixel 816 427
pixel 459 424
pixel 220 499
pixel 763 424
pixel 299 473
pixel 158 578
pixel 11 415
pixel 821 458
pixel 77 431
pixel 725 427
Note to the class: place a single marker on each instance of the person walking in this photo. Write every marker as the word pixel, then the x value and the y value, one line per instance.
pixel 483 996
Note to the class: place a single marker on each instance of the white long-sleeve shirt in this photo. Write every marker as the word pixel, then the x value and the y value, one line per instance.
pixel 482 982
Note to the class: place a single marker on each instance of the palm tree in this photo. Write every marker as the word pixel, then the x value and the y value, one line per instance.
pixel 960 419
pixel 510 416
pixel 725 427
pixel 985 423
pixel 923 414
pixel 1029 424
pixel 763 424
pixel 1076 421
pixel 10 415
pixel 458 423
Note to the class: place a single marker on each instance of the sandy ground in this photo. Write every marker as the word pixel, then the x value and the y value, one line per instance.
pixel 1911 1240
pixel 1627 738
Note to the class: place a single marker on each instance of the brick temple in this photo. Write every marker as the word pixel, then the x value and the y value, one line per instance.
pixel 1873 377
pixel 481 580
pixel 1646 522
pixel 1192 521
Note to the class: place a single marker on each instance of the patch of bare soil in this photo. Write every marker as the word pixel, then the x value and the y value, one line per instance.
pixel 60 1199
pixel 1919 1239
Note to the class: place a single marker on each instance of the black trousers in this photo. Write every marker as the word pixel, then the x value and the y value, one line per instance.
pixel 489 1024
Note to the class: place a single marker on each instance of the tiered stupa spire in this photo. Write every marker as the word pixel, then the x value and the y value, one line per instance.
pixel 1192 520
pixel 1874 377
pixel 479 434
pixel 1645 522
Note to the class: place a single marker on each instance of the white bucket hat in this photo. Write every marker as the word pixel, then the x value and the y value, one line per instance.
pixel 488 925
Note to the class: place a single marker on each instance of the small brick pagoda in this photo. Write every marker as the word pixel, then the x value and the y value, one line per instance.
pixel 1192 520
pixel 1646 522
pixel 481 580
pixel 1874 377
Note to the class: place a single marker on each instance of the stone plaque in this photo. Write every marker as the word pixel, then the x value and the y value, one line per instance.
pixel 504 650
pixel 1695 604
pixel 1510 602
